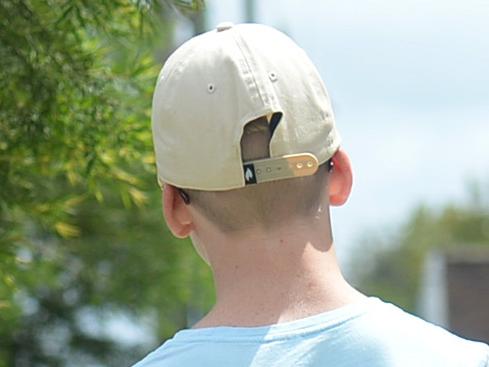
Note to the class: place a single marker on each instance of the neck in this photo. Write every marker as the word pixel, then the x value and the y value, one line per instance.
pixel 279 276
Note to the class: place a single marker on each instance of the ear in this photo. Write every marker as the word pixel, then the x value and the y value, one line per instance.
pixel 177 215
pixel 340 179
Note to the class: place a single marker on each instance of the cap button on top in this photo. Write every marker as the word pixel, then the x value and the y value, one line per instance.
pixel 224 26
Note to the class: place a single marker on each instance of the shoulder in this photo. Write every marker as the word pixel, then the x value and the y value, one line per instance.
pixel 181 351
pixel 163 355
pixel 400 335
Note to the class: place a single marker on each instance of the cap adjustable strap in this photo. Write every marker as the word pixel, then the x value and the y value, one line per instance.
pixel 273 169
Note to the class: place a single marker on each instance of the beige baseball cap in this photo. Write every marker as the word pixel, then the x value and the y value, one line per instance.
pixel 217 82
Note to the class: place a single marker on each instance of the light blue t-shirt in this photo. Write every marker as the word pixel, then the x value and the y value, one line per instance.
pixel 371 333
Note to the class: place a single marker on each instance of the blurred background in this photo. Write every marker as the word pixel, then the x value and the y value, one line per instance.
pixel 89 274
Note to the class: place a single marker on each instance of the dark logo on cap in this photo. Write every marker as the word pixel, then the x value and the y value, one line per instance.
pixel 249 174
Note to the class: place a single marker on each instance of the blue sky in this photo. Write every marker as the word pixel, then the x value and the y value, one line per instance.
pixel 410 86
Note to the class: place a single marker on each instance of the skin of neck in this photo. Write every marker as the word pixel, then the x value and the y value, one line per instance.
pixel 265 277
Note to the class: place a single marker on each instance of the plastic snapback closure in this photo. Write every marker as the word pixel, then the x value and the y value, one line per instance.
pixel 273 169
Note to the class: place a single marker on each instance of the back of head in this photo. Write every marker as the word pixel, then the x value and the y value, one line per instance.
pixel 243 126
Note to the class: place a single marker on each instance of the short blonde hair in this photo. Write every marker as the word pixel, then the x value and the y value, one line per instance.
pixel 268 204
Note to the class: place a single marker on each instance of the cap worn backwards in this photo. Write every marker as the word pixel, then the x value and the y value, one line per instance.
pixel 217 82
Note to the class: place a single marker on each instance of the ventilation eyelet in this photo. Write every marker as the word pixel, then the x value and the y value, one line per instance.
pixel 273 76
pixel 211 88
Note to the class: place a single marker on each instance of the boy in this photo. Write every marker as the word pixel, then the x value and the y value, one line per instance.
pixel 249 161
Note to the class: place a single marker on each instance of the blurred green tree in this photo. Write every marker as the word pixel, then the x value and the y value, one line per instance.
pixel 80 220
pixel 391 265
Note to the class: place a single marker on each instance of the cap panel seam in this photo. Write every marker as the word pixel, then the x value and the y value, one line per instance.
pixel 238 39
pixel 240 43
